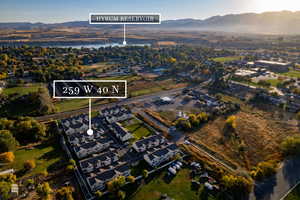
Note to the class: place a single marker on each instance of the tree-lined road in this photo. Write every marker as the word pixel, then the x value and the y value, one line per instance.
pixel 62 115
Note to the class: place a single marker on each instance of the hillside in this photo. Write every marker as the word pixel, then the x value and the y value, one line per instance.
pixel 284 22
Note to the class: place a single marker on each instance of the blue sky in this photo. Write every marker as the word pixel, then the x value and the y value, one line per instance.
pixel 52 11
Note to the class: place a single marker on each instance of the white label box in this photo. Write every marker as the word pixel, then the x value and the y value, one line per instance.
pixel 89 89
pixel 124 18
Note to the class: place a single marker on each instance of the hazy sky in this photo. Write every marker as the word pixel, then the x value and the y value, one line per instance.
pixel 69 10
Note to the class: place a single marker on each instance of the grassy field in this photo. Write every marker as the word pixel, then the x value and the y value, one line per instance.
pixel 252 123
pixel 274 82
pixel 292 73
pixel 137 128
pixel 227 59
pixel 23 89
pixel 177 188
pixel 45 156
pixel 73 104
pixel 294 195
pixel 96 68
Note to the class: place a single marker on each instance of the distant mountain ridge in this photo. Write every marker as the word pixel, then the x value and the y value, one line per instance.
pixel 283 22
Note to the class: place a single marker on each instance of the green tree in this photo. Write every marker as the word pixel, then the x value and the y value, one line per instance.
pixel 4 190
pixel 7 141
pixel 98 194
pixel 121 195
pixel 29 130
pixel 145 173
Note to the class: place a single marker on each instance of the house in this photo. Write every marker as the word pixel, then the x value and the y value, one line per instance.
pixel 147 143
pixel 120 132
pixel 14 190
pixel 116 114
pixel 99 180
pixel 92 147
pixel 94 163
pixel 159 156
pixel 273 66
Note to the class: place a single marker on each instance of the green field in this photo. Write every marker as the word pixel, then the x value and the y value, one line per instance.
pixel 146 91
pixel 178 188
pixel 292 73
pixel 227 59
pixel 74 104
pixel 45 156
pixel 294 195
pixel 137 128
pixel 274 82
pixel 22 90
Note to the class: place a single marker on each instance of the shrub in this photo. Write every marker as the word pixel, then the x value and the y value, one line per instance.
pixel 98 194
pixel 7 141
pixel 44 190
pixel 263 169
pixel 291 145
pixel 131 179
pixel 7 157
pixel 237 186
pixel 29 164
pixel 115 184
pixel 65 193
pixel 121 195
pixel 145 173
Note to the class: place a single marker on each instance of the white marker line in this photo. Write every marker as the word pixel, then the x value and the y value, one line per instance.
pixel 124 41
pixel 90 113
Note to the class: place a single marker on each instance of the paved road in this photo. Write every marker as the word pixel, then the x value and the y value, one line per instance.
pixel 63 115
pixel 276 187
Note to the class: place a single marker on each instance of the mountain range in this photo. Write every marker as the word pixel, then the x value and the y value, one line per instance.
pixel 283 22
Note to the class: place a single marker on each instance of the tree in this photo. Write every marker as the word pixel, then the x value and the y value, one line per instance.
pixel 29 164
pixel 131 179
pixel 70 168
pixel 29 130
pixel 44 190
pixel 115 184
pixel 263 169
pixel 98 194
pixel 145 173
pixel 7 141
pixel 65 193
pixel 237 186
pixel 121 195
pixel 7 157
pixel 291 145
pixel 29 182
pixel 4 190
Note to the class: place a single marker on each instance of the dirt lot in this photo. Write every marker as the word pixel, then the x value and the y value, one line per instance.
pixel 258 132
